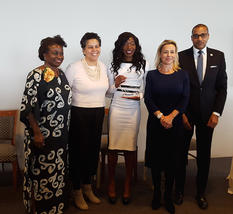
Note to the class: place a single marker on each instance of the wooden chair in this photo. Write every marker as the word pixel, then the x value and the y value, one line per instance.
pixel 100 177
pixel 7 142
pixel 192 148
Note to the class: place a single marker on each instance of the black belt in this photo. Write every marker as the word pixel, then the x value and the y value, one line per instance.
pixel 129 86
pixel 123 90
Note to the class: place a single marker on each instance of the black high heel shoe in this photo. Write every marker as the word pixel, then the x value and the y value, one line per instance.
pixel 112 200
pixel 126 200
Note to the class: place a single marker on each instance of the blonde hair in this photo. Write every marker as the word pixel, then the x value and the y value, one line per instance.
pixel 176 66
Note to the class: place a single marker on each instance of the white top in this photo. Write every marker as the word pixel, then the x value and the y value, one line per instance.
pixel 133 82
pixel 86 92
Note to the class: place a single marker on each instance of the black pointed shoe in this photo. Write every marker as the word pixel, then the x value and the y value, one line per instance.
pixel 112 200
pixel 126 200
pixel 202 202
pixel 178 199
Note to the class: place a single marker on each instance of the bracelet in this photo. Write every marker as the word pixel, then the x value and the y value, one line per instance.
pixel 159 115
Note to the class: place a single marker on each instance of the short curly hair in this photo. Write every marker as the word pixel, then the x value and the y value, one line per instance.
pixel 49 41
pixel 87 36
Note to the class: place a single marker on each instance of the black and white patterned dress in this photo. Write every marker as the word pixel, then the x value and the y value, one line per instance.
pixel 45 170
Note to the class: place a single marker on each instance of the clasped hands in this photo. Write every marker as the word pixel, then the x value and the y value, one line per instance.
pixel 166 121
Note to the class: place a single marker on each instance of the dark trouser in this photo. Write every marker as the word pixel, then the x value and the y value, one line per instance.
pixel 84 143
pixel 169 180
pixel 203 139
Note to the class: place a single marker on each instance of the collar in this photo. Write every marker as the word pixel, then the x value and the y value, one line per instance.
pixel 195 51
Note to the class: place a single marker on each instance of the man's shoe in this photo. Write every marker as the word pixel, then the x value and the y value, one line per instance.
pixel 178 199
pixel 202 202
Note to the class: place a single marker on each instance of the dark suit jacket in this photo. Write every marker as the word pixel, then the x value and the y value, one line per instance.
pixel 210 96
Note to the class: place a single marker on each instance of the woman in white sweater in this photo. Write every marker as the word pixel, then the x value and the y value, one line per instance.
pixel 89 83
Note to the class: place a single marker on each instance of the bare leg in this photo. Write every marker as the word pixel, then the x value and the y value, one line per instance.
pixel 112 161
pixel 129 163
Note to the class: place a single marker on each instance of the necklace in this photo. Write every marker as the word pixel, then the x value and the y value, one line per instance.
pixel 165 71
pixel 93 72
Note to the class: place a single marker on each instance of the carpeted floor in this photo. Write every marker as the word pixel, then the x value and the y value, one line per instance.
pixel 219 201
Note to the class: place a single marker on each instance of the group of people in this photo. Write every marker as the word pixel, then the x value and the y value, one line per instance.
pixel 63 114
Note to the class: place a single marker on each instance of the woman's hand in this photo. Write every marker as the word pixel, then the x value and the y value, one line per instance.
pixel 119 79
pixel 38 140
pixel 166 121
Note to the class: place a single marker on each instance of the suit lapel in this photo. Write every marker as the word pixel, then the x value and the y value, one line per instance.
pixel 193 66
pixel 208 63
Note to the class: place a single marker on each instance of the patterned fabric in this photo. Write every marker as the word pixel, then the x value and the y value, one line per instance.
pixel 45 168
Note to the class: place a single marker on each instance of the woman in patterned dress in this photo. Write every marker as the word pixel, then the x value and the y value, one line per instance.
pixel 45 111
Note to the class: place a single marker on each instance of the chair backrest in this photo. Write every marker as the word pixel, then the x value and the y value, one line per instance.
pixel 193 145
pixel 8 120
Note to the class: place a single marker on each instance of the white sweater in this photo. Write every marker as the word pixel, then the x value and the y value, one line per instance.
pixel 85 92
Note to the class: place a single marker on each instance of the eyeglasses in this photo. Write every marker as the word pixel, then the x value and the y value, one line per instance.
pixel 203 35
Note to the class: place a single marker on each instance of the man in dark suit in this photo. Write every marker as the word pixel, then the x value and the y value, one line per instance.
pixel 208 89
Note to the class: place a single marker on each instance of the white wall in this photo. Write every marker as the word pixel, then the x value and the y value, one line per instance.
pixel 24 23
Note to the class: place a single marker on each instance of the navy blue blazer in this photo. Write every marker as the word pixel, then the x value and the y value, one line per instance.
pixel 210 96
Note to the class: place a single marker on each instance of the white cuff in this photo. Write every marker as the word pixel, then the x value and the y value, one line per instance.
pixel 216 113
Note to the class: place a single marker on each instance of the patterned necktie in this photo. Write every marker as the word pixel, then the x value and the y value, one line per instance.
pixel 200 66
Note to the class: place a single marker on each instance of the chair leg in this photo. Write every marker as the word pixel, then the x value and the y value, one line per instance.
pixel 15 173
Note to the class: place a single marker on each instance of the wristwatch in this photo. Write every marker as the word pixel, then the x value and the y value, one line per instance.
pixel 159 115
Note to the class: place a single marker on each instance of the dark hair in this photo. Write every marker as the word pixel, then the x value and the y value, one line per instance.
pixel 87 36
pixel 119 57
pixel 45 43
pixel 200 25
